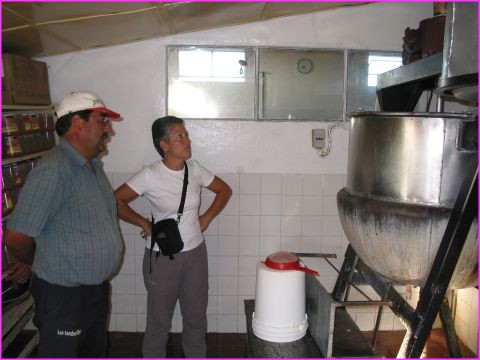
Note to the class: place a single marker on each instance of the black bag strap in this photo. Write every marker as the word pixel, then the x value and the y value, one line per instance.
pixel 184 192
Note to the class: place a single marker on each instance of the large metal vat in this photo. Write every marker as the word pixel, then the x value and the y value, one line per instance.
pixel 404 173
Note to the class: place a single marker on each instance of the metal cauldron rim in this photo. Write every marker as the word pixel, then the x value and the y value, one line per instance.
pixel 464 115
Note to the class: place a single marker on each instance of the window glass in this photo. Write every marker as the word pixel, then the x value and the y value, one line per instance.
pixel 211 82
pixel 300 84
pixel 363 68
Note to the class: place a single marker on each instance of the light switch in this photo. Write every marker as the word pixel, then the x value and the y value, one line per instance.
pixel 318 138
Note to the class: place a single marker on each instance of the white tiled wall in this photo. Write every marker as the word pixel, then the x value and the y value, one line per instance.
pixel 466 317
pixel 267 213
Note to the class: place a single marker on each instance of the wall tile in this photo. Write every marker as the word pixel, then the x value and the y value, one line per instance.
pixel 250 183
pixel 128 265
pixel 212 323
pixel 331 226
pixel 269 245
pixel 311 226
pixel 290 243
pixel 228 265
pixel 227 305
pixel 270 225
pixel 126 322
pixel 124 284
pixel 212 307
pixel 333 184
pixel 141 322
pixel 312 205
pixel 129 244
pixel 291 205
pixel 212 265
pixel 227 285
pixel 141 304
pixel 330 205
pixel 246 285
pixel 271 205
pixel 247 265
pixel 310 244
pixel 125 304
pixel 212 284
pixel 126 228
pixel 233 206
pixel 249 225
pixel 249 245
pixel 140 285
pixel 242 324
pixel 312 184
pixel 139 244
pixel 228 225
pixel 291 184
pixel 271 184
pixel 212 245
pixel 228 245
pixel 227 323
pixel 291 226
pixel 249 204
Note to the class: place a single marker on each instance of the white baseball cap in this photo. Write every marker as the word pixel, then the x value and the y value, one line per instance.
pixel 83 100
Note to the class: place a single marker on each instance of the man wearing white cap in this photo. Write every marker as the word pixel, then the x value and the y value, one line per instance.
pixel 65 223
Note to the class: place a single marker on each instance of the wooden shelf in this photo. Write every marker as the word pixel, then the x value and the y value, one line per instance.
pixel 14 160
pixel 27 107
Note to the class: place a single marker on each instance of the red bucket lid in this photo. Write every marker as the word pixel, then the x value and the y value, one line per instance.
pixel 284 260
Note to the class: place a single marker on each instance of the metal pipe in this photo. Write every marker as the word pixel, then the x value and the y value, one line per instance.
pixel 440 103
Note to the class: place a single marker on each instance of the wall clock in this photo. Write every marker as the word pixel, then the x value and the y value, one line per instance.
pixel 304 66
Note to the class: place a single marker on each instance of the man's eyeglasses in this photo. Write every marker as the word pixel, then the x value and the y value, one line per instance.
pixel 103 119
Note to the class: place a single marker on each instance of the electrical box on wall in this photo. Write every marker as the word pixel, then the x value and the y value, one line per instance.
pixel 318 138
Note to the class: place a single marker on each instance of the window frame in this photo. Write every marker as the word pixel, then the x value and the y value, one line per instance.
pixel 256 87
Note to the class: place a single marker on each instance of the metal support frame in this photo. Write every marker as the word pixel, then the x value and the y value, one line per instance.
pixel 433 293
pixel 432 300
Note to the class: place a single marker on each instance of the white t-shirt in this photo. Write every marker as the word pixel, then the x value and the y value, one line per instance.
pixel 162 187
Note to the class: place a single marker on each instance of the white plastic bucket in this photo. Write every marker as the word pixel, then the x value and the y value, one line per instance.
pixel 279 305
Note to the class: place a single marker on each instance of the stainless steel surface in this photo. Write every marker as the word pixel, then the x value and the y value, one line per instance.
pixel 404 173
pixel 460 53
pixel 400 240
pixel 408 157
pixel 430 66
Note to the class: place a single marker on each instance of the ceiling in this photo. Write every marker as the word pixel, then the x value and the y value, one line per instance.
pixel 36 29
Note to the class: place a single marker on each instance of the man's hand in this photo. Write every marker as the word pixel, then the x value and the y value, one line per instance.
pixel 19 272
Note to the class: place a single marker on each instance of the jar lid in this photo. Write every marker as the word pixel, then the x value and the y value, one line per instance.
pixel 284 260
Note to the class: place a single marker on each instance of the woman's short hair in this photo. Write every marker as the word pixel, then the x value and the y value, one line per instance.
pixel 64 122
pixel 161 131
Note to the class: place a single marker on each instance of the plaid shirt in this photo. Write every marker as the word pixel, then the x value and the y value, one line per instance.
pixel 69 209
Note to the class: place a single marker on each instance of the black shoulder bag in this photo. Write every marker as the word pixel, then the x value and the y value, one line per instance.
pixel 165 232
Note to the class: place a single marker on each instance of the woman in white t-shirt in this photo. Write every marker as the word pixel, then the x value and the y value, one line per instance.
pixel 185 278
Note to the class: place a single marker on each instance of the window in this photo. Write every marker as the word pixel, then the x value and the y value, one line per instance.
pixel 211 65
pixel 378 64
pixel 267 83
pixel 363 68
pixel 300 84
pixel 211 82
